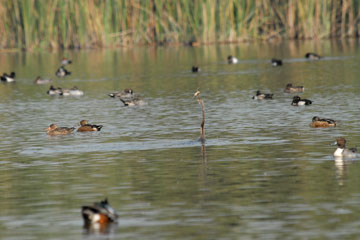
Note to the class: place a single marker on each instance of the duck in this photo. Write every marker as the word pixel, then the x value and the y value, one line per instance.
pixel 322 122
pixel 62 72
pixel 261 96
pixel 232 60
pixel 312 56
pixel 341 151
pixel 297 101
pixel 126 93
pixel 276 62
pixel 99 213
pixel 86 127
pixel 132 101
pixel 40 80
pixel 65 61
pixel 54 91
pixel 72 92
pixel 54 130
pixel 195 69
pixel 291 89
pixel 8 78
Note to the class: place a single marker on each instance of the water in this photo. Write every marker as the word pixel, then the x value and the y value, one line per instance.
pixel 263 173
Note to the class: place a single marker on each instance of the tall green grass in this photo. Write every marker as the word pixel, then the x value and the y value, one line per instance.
pixel 111 23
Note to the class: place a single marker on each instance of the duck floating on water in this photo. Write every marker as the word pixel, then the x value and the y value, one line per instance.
pixel 291 89
pixel 64 92
pixel 54 91
pixel 260 96
pixel 126 93
pixel 40 80
pixel 232 60
pixel 54 130
pixel 276 62
pixel 62 72
pixel 65 61
pixel 297 101
pixel 195 69
pixel 341 151
pixel 86 127
pixel 100 213
pixel 322 122
pixel 132 101
pixel 72 92
pixel 8 78
pixel 312 56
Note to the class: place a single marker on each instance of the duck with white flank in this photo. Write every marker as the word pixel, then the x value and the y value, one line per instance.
pixel 312 56
pixel 62 72
pixel 66 61
pixel 276 62
pixel 64 92
pixel 126 93
pixel 8 78
pixel 72 92
pixel 260 96
pixel 341 151
pixel 232 60
pixel 297 101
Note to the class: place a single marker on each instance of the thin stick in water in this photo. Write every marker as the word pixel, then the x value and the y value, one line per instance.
pixel 202 130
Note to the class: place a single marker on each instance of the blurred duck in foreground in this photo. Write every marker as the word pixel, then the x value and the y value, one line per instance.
pixel 65 61
pixel 322 122
pixel 276 62
pixel 54 130
pixel 8 78
pixel 312 56
pixel 341 151
pixel 86 127
pixel 64 92
pixel 195 69
pixel 62 72
pixel 99 215
pixel 232 60
pixel 291 89
pixel 126 93
pixel 260 96
pixel 297 101
pixel 40 80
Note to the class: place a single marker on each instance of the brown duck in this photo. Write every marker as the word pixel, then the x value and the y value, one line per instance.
pixel 322 122
pixel 54 130
pixel 86 127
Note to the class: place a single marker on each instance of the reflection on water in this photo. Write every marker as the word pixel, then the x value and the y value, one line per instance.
pixel 262 173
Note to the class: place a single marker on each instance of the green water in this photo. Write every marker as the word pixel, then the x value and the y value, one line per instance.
pixel 262 174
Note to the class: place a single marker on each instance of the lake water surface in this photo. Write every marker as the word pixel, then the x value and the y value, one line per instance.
pixel 262 174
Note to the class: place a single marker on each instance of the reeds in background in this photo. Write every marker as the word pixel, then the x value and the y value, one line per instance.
pixel 29 24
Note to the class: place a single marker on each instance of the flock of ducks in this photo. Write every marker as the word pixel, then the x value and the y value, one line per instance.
pixel 298 101
pixel 100 214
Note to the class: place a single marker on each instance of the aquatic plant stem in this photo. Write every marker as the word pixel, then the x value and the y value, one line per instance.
pixel 202 129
